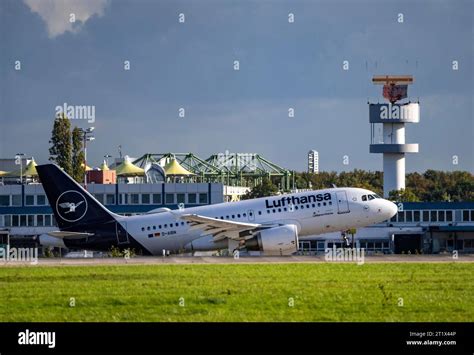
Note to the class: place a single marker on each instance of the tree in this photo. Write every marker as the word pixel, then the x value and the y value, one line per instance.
pixel 403 195
pixel 60 150
pixel 78 161
pixel 266 188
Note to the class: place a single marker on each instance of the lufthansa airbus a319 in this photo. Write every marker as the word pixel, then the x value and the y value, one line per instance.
pixel 271 225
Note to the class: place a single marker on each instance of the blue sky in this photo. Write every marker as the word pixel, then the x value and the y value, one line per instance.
pixel 282 65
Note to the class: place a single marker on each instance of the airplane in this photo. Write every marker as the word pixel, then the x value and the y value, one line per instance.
pixel 271 225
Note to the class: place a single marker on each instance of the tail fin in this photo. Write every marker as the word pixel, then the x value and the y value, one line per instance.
pixel 71 204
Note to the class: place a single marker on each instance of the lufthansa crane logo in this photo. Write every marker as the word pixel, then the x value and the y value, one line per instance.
pixel 71 206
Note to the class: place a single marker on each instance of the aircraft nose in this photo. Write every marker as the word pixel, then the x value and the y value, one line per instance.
pixel 391 209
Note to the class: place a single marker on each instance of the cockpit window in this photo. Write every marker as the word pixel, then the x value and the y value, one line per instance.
pixel 371 197
pixel 377 196
pixel 364 198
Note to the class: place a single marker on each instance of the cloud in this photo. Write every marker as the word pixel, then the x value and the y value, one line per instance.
pixel 57 14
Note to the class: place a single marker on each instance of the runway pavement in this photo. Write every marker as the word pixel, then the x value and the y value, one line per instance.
pixel 180 260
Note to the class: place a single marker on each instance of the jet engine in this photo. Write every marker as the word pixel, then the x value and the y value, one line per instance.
pixel 275 241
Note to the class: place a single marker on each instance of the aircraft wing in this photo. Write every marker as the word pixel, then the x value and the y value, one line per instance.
pixel 218 228
pixel 69 235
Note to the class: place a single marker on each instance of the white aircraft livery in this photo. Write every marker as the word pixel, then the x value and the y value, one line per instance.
pixel 271 225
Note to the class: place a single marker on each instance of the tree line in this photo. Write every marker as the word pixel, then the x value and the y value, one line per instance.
pixel 430 186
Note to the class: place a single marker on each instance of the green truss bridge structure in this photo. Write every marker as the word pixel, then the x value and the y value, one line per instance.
pixel 232 169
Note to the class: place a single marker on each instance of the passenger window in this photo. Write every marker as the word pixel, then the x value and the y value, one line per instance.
pixel 364 198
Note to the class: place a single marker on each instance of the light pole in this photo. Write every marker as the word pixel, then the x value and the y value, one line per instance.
pixel 107 156
pixel 87 137
pixel 18 157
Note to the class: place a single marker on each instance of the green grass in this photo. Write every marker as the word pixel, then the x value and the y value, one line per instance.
pixel 242 292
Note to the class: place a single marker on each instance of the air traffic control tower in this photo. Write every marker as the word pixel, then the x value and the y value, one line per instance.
pixel 387 125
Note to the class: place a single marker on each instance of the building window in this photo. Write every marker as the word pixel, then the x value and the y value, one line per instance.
pixel 134 199
pixel 40 220
pixel 472 215
pixel 99 197
pixel 180 198
pixel 192 198
pixel 47 220
pixel 401 216
pixel 169 198
pixel 4 200
pixel 23 220
pixel 449 216
pixel 202 198
pixel 31 220
pixel 41 200
pixel 15 220
pixel 157 199
pixel 441 215
pixel 146 199
pixel 465 216
pixel 426 216
pixel 416 216
pixel 434 217
pixel 16 200
pixel 409 216
pixel 29 200
pixel 110 199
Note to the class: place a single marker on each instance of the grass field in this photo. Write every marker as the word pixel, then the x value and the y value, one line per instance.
pixel 245 292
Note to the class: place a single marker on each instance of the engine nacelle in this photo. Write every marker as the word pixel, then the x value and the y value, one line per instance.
pixel 275 241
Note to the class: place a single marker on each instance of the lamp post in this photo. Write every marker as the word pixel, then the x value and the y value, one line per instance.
pixel 107 156
pixel 87 137
pixel 18 157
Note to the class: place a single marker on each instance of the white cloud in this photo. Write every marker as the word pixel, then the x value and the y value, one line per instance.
pixel 57 13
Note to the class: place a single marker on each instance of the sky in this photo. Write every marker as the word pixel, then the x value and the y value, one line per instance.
pixel 75 53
